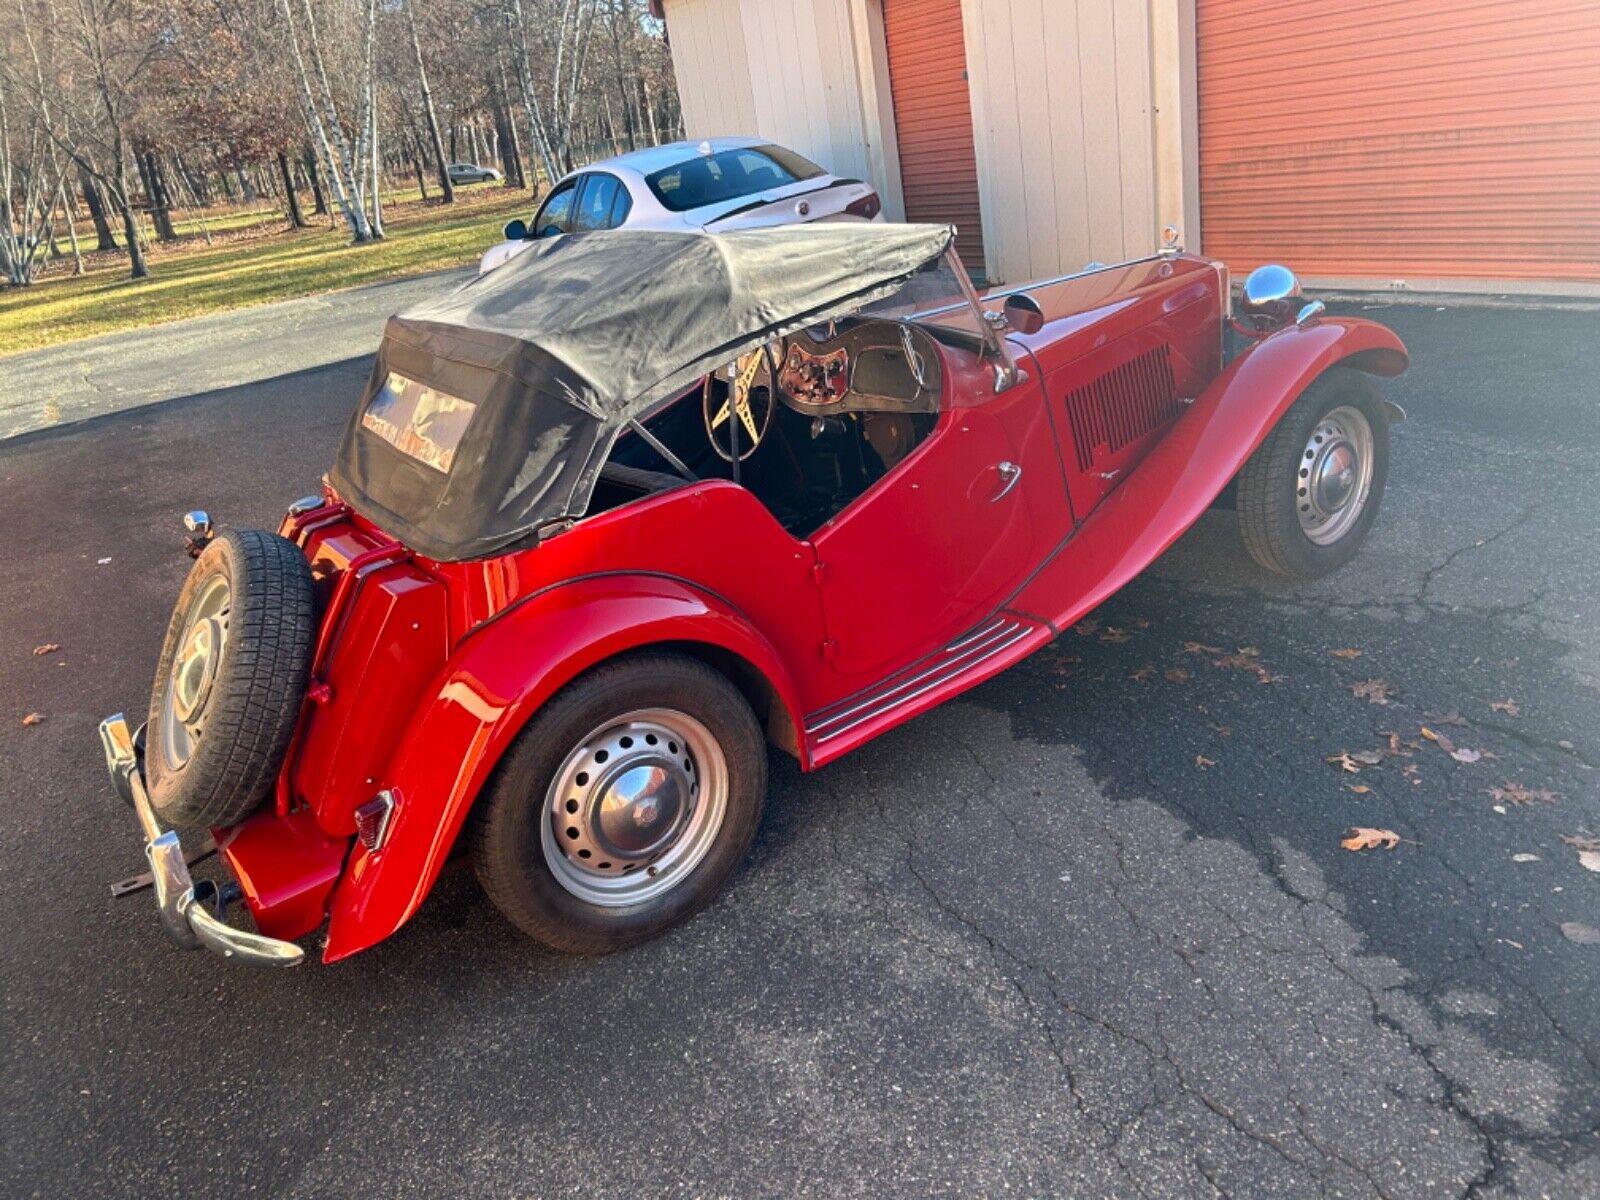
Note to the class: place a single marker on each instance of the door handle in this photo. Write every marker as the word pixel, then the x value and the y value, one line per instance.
pixel 1010 473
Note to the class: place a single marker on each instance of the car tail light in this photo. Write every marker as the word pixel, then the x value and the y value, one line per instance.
pixel 866 208
pixel 372 820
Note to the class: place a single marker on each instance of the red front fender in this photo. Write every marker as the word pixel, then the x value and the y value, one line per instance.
pixel 497 677
pixel 1187 469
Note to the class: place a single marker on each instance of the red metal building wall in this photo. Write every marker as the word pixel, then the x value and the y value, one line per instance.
pixel 1447 139
pixel 933 119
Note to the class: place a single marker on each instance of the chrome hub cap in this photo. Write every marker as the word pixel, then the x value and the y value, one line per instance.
pixel 187 693
pixel 634 807
pixel 1335 475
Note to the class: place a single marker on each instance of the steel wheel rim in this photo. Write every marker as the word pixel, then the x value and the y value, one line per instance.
pixel 191 679
pixel 634 807
pixel 1333 478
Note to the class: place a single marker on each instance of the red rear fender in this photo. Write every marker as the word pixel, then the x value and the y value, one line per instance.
pixel 496 679
pixel 1187 469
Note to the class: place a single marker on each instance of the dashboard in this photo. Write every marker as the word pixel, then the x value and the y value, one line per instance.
pixel 867 365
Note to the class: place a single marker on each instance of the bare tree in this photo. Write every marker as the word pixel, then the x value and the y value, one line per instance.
pixel 445 185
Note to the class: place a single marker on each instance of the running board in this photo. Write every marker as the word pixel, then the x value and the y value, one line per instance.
pixel 980 652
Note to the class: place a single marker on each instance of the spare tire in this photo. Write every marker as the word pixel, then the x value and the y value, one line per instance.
pixel 231 679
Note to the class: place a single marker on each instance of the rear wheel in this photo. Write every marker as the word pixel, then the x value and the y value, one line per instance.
pixel 1309 495
pixel 624 806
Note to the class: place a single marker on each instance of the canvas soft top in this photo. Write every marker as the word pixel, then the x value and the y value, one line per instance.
pixel 490 411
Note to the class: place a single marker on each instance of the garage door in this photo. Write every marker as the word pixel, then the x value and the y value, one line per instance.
pixel 933 119
pixel 1434 139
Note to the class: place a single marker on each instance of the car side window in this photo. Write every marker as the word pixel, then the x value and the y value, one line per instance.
pixel 593 209
pixel 620 207
pixel 555 215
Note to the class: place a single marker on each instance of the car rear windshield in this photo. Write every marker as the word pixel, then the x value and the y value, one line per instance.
pixel 728 175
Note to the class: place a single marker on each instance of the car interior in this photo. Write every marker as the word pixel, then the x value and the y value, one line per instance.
pixel 826 413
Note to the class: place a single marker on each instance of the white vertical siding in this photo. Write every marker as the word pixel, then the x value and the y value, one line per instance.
pixel 1064 118
pixel 1061 104
pixel 712 68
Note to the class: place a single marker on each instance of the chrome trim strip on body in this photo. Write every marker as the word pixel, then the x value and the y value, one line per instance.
pixel 970 650
pixel 181 904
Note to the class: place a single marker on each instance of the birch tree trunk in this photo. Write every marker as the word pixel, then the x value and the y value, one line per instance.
pixel 445 186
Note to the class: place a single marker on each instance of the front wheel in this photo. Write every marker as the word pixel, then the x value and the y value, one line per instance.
pixel 624 805
pixel 1309 494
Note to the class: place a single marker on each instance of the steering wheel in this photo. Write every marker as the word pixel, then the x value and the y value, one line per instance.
pixel 747 395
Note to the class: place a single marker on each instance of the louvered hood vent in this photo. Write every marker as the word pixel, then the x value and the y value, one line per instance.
pixel 1122 406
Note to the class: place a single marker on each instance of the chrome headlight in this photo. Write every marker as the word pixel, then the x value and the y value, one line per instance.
pixel 1271 299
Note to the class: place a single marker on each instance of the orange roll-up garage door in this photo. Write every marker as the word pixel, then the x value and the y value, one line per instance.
pixel 1423 140
pixel 933 119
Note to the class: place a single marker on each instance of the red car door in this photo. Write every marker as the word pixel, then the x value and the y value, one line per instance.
pixel 932 549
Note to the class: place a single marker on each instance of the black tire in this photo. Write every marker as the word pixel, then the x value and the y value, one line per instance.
pixel 504 834
pixel 1268 482
pixel 257 688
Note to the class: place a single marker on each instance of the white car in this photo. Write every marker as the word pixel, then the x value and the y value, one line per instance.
pixel 724 183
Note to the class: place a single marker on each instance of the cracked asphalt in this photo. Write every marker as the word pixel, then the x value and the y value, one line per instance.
pixel 1087 931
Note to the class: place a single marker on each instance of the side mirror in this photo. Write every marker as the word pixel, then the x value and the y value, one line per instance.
pixel 515 230
pixel 1023 313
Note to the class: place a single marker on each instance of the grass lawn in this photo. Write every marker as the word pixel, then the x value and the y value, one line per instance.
pixel 252 267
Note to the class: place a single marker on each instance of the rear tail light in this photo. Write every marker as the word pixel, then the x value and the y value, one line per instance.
pixel 372 820
pixel 866 208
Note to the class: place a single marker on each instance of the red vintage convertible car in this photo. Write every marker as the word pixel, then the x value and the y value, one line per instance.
pixel 611 520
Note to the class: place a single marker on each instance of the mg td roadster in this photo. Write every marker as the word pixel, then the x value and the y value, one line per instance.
pixel 611 523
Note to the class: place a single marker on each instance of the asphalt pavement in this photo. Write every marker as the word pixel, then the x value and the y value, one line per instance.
pixel 1088 931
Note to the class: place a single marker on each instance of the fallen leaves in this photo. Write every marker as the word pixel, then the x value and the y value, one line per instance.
pixel 1588 849
pixel 1359 789
pixel 1201 761
pixel 33 718
pixel 1583 935
pixel 47 648
pixel 1510 707
pixel 1524 858
pixel 1373 691
pixel 1175 675
pixel 1352 762
pixel 1345 653
pixel 1462 754
pixel 1200 648
pixel 1516 794
pixel 1247 659
pixel 1361 838
pixel 1087 626
pixel 1113 636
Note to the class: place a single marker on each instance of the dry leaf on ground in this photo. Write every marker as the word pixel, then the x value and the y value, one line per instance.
pixel 1362 838
pixel 1114 636
pixel 1200 760
pixel 1464 755
pixel 1359 789
pixel 1220 730
pixel 1373 691
pixel 1449 718
pixel 1589 860
pixel 1353 761
pixel 1581 842
pixel 33 718
pixel 1148 671
pixel 47 648
pixel 1584 935
pixel 1176 675
pixel 1510 707
pixel 1439 739
pixel 1515 793
pixel 1086 626
pixel 1200 648
pixel 1345 653
pixel 1524 858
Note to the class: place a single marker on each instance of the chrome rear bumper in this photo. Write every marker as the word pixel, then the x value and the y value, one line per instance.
pixel 182 904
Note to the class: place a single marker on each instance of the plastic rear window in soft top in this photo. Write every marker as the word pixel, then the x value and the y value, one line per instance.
pixel 728 175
